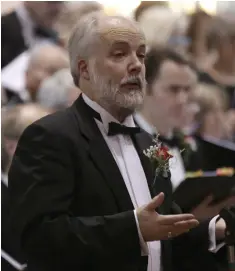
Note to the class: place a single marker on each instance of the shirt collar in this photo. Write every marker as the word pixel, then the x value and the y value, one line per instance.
pixel 26 22
pixel 141 121
pixel 145 125
pixel 4 178
pixel 106 117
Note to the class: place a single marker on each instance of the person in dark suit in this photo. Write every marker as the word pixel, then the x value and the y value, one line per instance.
pixel 83 196
pixel 171 83
pixel 14 121
pixel 22 28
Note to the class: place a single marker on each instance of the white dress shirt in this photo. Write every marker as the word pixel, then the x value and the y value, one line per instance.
pixel 128 162
pixel 177 176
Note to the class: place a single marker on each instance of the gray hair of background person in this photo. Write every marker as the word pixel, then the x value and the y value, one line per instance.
pixel 54 91
pixel 16 119
pixel 70 15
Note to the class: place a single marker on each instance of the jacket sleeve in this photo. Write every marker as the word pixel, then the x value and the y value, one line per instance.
pixel 198 236
pixel 41 183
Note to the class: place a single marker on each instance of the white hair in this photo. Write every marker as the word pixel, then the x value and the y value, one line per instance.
pixel 159 23
pixel 82 41
pixel 54 91
pixel 70 15
pixel 39 50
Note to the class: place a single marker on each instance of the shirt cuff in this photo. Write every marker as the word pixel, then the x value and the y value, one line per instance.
pixel 213 247
pixel 143 244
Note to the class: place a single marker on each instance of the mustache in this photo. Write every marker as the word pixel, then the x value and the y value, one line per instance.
pixel 134 80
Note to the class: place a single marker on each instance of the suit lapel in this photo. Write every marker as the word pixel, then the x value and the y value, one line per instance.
pixel 17 30
pixel 142 141
pixel 101 155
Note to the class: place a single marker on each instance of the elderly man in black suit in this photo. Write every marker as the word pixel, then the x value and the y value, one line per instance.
pixel 83 195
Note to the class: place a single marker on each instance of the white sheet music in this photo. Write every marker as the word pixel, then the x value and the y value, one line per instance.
pixel 13 75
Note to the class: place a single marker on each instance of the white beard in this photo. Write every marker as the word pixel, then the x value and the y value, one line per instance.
pixel 111 94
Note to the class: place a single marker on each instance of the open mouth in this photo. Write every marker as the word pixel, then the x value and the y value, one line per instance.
pixel 135 84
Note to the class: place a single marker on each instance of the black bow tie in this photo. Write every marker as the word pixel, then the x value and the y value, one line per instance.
pixel 46 33
pixel 172 142
pixel 116 128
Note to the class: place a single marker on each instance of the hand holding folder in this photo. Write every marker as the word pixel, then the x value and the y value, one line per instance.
pixel 207 194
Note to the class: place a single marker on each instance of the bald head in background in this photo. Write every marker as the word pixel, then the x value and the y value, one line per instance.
pixel 45 60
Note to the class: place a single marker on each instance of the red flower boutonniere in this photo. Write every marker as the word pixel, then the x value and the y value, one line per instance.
pixel 163 153
pixel 159 156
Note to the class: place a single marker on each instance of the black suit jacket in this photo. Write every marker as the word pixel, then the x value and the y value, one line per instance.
pixel 8 242
pixel 13 43
pixel 70 206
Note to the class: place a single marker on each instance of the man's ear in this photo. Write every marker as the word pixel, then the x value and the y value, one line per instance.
pixel 83 69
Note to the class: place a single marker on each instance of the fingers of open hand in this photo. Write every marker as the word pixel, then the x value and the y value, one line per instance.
pixel 171 219
pixel 180 227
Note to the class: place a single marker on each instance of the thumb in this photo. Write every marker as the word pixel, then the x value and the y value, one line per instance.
pixel 155 202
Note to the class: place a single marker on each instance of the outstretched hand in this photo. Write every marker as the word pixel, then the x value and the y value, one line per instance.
pixel 154 226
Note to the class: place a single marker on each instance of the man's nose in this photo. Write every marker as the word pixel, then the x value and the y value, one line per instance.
pixel 182 97
pixel 135 65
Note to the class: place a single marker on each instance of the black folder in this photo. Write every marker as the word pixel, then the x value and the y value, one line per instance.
pixel 193 191
pixel 215 154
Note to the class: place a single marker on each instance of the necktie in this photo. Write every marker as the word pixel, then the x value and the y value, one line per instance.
pixel 116 128
pixel 46 33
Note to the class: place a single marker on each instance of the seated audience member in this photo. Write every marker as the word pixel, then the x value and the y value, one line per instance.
pixel 213 135
pixel 163 27
pixel 70 14
pixel 58 91
pixel 30 23
pixel 14 122
pixel 212 114
pixel 44 61
pixel 222 72
pixel 199 50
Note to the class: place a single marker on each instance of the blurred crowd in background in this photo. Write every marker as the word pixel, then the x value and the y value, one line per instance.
pixel 36 78
pixel 35 66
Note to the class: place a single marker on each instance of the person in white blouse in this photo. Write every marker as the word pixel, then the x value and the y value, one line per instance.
pixel 86 199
